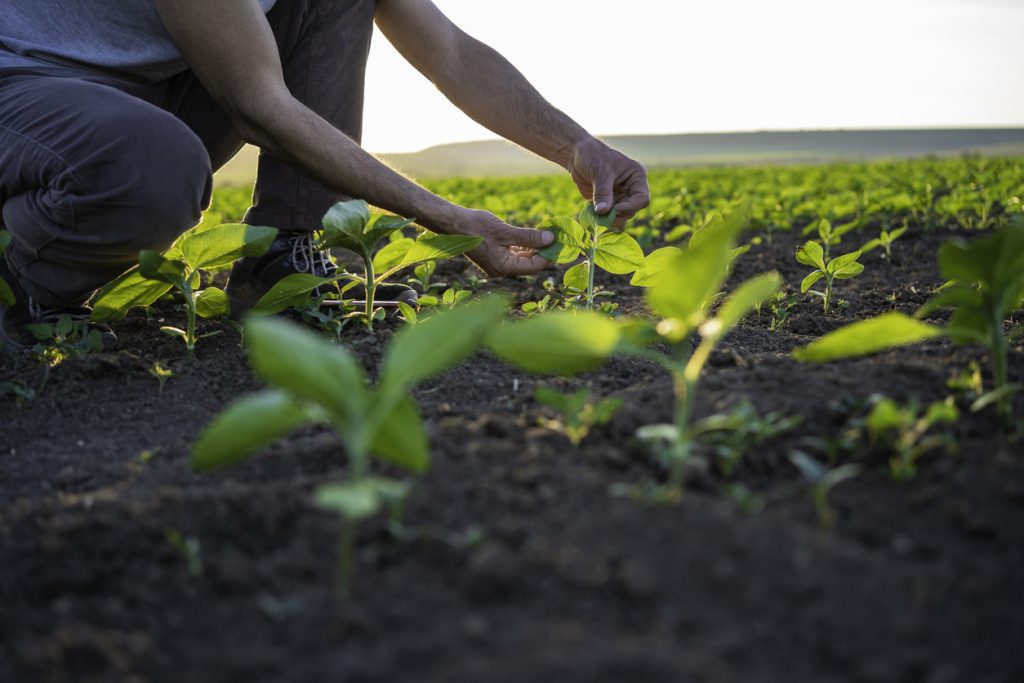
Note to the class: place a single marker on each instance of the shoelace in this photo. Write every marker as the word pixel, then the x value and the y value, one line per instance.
pixel 308 259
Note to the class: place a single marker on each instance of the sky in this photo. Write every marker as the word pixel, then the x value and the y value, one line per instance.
pixel 679 66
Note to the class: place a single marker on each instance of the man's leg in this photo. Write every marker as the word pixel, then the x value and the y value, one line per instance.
pixel 89 175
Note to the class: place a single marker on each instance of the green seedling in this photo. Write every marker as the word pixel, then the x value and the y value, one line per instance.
pixel 903 430
pixel 20 391
pixel 161 373
pixel 780 305
pixel 731 434
pixel 189 548
pixel 591 237
pixel 829 235
pixel 448 299
pixel 63 339
pixel 578 412
pixel 349 225
pixel 202 248
pixel 884 240
pixel 986 284
pixel 314 381
pixel 682 294
pixel 840 268
pixel 821 480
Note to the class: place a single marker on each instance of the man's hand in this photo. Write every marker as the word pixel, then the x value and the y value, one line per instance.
pixel 506 250
pixel 609 178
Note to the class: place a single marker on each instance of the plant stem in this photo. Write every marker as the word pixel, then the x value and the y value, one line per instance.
pixel 190 326
pixel 371 288
pixel 591 268
pixel 828 292
pixel 346 556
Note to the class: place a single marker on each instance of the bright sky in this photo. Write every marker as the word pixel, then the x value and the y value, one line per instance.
pixel 667 66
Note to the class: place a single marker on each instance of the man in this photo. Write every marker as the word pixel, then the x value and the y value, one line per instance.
pixel 114 114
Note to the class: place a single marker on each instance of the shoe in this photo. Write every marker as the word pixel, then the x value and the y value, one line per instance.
pixel 16 320
pixel 253 276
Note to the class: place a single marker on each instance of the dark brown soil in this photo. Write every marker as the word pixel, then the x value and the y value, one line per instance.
pixel 519 565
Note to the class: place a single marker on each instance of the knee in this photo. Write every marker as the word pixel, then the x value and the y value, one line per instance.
pixel 163 180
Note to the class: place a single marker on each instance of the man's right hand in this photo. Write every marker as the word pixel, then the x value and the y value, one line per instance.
pixel 506 250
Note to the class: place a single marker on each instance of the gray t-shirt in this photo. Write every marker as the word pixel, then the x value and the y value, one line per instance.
pixel 122 36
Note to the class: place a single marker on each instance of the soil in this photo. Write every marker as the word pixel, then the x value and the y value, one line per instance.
pixel 517 563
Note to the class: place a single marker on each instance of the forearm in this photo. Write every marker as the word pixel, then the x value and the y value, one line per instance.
pixel 293 133
pixel 496 95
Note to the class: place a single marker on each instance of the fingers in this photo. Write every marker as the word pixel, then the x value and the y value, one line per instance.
pixel 522 263
pixel 526 237
pixel 638 197
pixel 604 191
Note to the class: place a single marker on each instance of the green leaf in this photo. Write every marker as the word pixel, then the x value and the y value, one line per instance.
pixel 392 254
pixel 867 336
pixel 438 342
pixel 560 343
pixel 690 280
pixel 381 226
pixel 813 277
pixel 352 500
pixel 288 292
pixel 401 438
pixel 220 246
pixel 740 302
pixel 246 426
pixel 6 294
pixel 870 245
pixel 344 224
pixel 5 240
pixel 848 271
pixel 570 240
pixel 618 253
pixel 153 266
pixel 654 263
pixel 577 277
pixel 359 499
pixel 295 359
pixel 591 220
pixel 842 262
pixel 811 254
pixel 408 312
pixel 431 247
pixel 212 303
pixel 126 292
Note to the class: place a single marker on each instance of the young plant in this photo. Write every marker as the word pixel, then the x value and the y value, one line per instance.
pixel 682 294
pixel 591 237
pixel 314 381
pixel 821 480
pixel 840 268
pixel 202 248
pixel 829 235
pixel 64 339
pixel 578 412
pixel 884 240
pixel 732 433
pixel 903 430
pixel 986 284
pixel 349 225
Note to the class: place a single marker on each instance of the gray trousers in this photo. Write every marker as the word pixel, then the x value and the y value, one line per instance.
pixel 95 167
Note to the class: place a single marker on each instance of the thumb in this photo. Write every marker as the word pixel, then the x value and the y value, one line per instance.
pixel 603 192
pixel 527 237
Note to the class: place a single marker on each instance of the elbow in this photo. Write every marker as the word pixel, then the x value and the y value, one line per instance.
pixel 260 120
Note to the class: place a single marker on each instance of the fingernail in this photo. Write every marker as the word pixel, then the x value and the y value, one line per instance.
pixel 547 237
pixel 601 208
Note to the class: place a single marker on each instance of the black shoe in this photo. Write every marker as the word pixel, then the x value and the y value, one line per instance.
pixel 18 319
pixel 253 276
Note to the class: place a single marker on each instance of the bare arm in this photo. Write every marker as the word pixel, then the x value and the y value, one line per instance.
pixel 494 93
pixel 229 45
